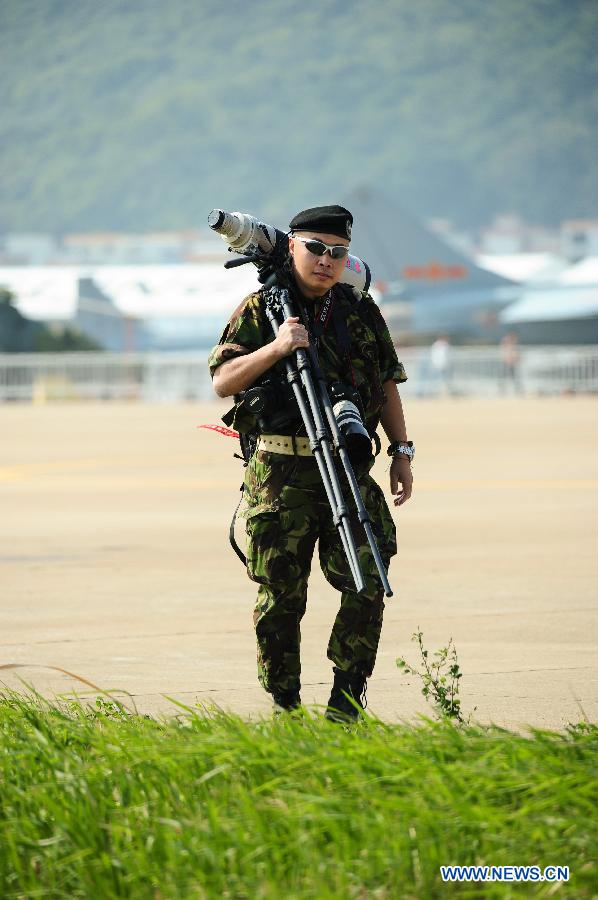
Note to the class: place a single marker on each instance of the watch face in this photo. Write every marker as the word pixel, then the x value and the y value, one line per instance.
pixel 407 449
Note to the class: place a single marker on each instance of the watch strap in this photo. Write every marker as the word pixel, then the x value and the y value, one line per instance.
pixel 402 448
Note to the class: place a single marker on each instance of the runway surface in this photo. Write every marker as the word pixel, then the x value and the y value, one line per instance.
pixel 115 563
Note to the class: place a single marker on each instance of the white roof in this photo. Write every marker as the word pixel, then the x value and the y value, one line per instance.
pixel 523 267
pixel 549 305
pixel 50 292
pixel 42 292
pixel 185 290
pixel 583 272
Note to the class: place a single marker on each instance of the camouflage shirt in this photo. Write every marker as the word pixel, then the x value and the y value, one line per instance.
pixel 370 361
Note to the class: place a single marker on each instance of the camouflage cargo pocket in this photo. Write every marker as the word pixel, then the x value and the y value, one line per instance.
pixel 264 483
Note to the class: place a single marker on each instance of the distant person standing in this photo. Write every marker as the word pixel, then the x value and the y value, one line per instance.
pixel 440 363
pixel 510 359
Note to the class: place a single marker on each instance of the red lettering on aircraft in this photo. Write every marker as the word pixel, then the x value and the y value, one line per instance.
pixel 434 271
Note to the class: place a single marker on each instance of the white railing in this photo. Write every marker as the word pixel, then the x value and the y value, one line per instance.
pixel 481 370
pixel 172 377
pixel 152 377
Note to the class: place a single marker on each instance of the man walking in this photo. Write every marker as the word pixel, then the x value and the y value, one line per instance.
pixel 287 508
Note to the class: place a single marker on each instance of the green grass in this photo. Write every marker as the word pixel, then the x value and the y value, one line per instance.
pixel 97 803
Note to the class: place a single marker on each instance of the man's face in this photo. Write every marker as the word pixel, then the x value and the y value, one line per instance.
pixel 316 274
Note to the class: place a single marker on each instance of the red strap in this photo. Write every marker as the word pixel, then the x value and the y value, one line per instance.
pixel 228 432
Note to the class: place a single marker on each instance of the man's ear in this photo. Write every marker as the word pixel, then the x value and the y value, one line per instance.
pixel 291 246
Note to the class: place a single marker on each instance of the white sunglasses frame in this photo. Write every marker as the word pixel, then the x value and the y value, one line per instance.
pixel 328 247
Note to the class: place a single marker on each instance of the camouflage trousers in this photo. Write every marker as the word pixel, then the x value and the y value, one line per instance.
pixel 287 512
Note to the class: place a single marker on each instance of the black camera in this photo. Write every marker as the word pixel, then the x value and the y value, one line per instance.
pixel 272 404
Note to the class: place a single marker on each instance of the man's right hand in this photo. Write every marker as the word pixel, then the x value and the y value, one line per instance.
pixel 236 375
pixel 291 335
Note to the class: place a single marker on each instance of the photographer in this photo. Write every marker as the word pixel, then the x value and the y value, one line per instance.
pixel 287 508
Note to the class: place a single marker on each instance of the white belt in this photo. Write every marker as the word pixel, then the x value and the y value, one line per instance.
pixel 284 443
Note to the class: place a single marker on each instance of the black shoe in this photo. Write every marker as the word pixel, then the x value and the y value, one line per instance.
pixel 286 701
pixel 348 696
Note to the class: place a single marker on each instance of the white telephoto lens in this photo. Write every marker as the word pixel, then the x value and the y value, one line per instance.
pixel 358 441
pixel 247 235
pixel 242 232
pixel 347 414
pixel 243 237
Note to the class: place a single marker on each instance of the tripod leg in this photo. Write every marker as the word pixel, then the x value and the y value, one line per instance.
pixel 365 520
pixel 299 377
pixel 344 456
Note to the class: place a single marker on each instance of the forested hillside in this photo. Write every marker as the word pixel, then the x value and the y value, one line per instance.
pixel 139 114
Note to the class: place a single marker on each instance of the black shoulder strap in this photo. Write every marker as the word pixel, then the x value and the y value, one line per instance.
pixel 231 533
pixel 342 332
pixel 343 336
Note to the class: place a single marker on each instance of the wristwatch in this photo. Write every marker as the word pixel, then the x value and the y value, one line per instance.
pixel 402 448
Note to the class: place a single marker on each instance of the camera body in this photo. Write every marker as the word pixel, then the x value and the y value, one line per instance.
pixel 272 404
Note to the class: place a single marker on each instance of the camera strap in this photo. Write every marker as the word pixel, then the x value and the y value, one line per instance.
pixel 231 530
pixel 332 312
pixel 318 324
pixel 325 313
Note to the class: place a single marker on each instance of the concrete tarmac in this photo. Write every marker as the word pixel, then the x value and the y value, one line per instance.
pixel 115 563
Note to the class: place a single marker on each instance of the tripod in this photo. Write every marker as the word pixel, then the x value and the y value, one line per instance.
pixel 307 381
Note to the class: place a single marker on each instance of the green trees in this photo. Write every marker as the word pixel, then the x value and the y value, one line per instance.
pixel 138 115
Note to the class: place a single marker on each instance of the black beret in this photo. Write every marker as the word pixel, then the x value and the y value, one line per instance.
pixel 325 219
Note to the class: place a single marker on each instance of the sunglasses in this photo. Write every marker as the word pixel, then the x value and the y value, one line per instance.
pixel 319 248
